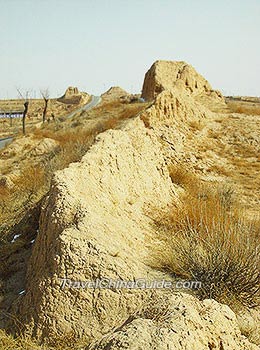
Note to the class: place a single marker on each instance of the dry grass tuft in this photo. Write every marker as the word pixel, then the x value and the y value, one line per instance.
pixel 7 342
pixel 30 180
pixel 156 308
pixel 182 176
pixel 220 169
pixel 27 189
pixel 67 342
pixel 204 239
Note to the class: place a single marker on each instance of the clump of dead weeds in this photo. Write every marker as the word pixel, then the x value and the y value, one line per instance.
pixel 207 239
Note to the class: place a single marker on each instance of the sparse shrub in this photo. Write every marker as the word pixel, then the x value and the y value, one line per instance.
pixel 205 240
pixel 30 181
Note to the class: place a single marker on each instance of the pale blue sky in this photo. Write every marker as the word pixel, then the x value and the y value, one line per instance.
pixel 97 44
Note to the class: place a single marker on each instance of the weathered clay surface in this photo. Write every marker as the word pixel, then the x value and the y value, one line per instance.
pixel 94 225
pixel 180 76
pixel 185 323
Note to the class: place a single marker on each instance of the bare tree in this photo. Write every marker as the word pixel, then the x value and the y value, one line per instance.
pixel 45 95
pixel 26 106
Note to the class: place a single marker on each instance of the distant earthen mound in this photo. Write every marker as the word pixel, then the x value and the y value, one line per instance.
pixel 114 93
pixel 73 96
pixel 178 75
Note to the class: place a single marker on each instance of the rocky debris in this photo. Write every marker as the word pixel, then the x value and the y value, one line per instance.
pixel 184 323
pixel 180 76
